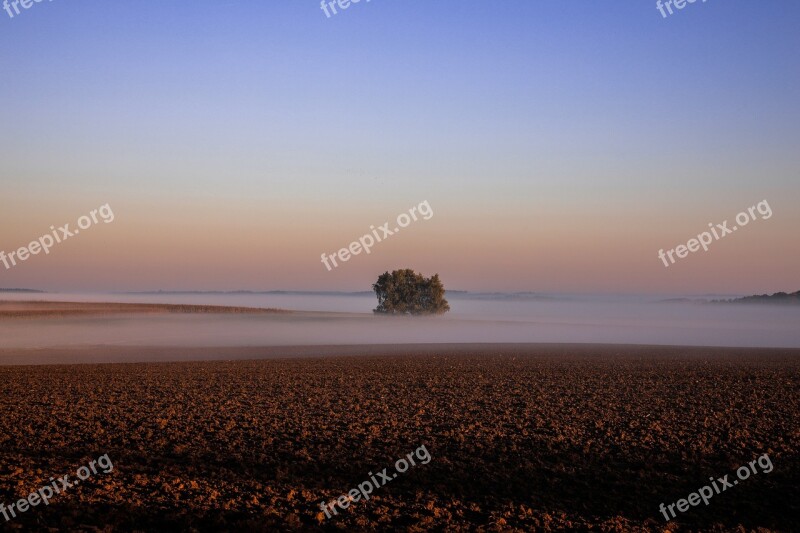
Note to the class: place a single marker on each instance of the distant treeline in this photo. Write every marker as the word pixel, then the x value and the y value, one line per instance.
pixel 791 298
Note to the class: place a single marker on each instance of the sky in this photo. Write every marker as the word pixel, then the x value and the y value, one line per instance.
pixel 559 144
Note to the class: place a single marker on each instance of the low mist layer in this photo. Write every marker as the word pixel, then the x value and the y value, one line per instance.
pixel 470 322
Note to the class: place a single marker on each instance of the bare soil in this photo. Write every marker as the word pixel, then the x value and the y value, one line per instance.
pixel 522 438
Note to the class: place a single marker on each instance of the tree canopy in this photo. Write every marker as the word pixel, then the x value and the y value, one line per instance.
pixel 405 292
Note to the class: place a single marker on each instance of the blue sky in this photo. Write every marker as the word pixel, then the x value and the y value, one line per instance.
pixel 494 109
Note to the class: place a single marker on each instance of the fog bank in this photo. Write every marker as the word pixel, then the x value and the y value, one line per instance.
pixel 471 321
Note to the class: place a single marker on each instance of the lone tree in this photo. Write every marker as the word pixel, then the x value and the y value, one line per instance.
pixel 404 292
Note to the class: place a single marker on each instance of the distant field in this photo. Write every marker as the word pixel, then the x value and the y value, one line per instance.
pixel 522 438
pixel 36 309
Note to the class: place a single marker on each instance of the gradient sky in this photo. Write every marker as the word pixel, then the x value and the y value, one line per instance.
pixel 560 144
